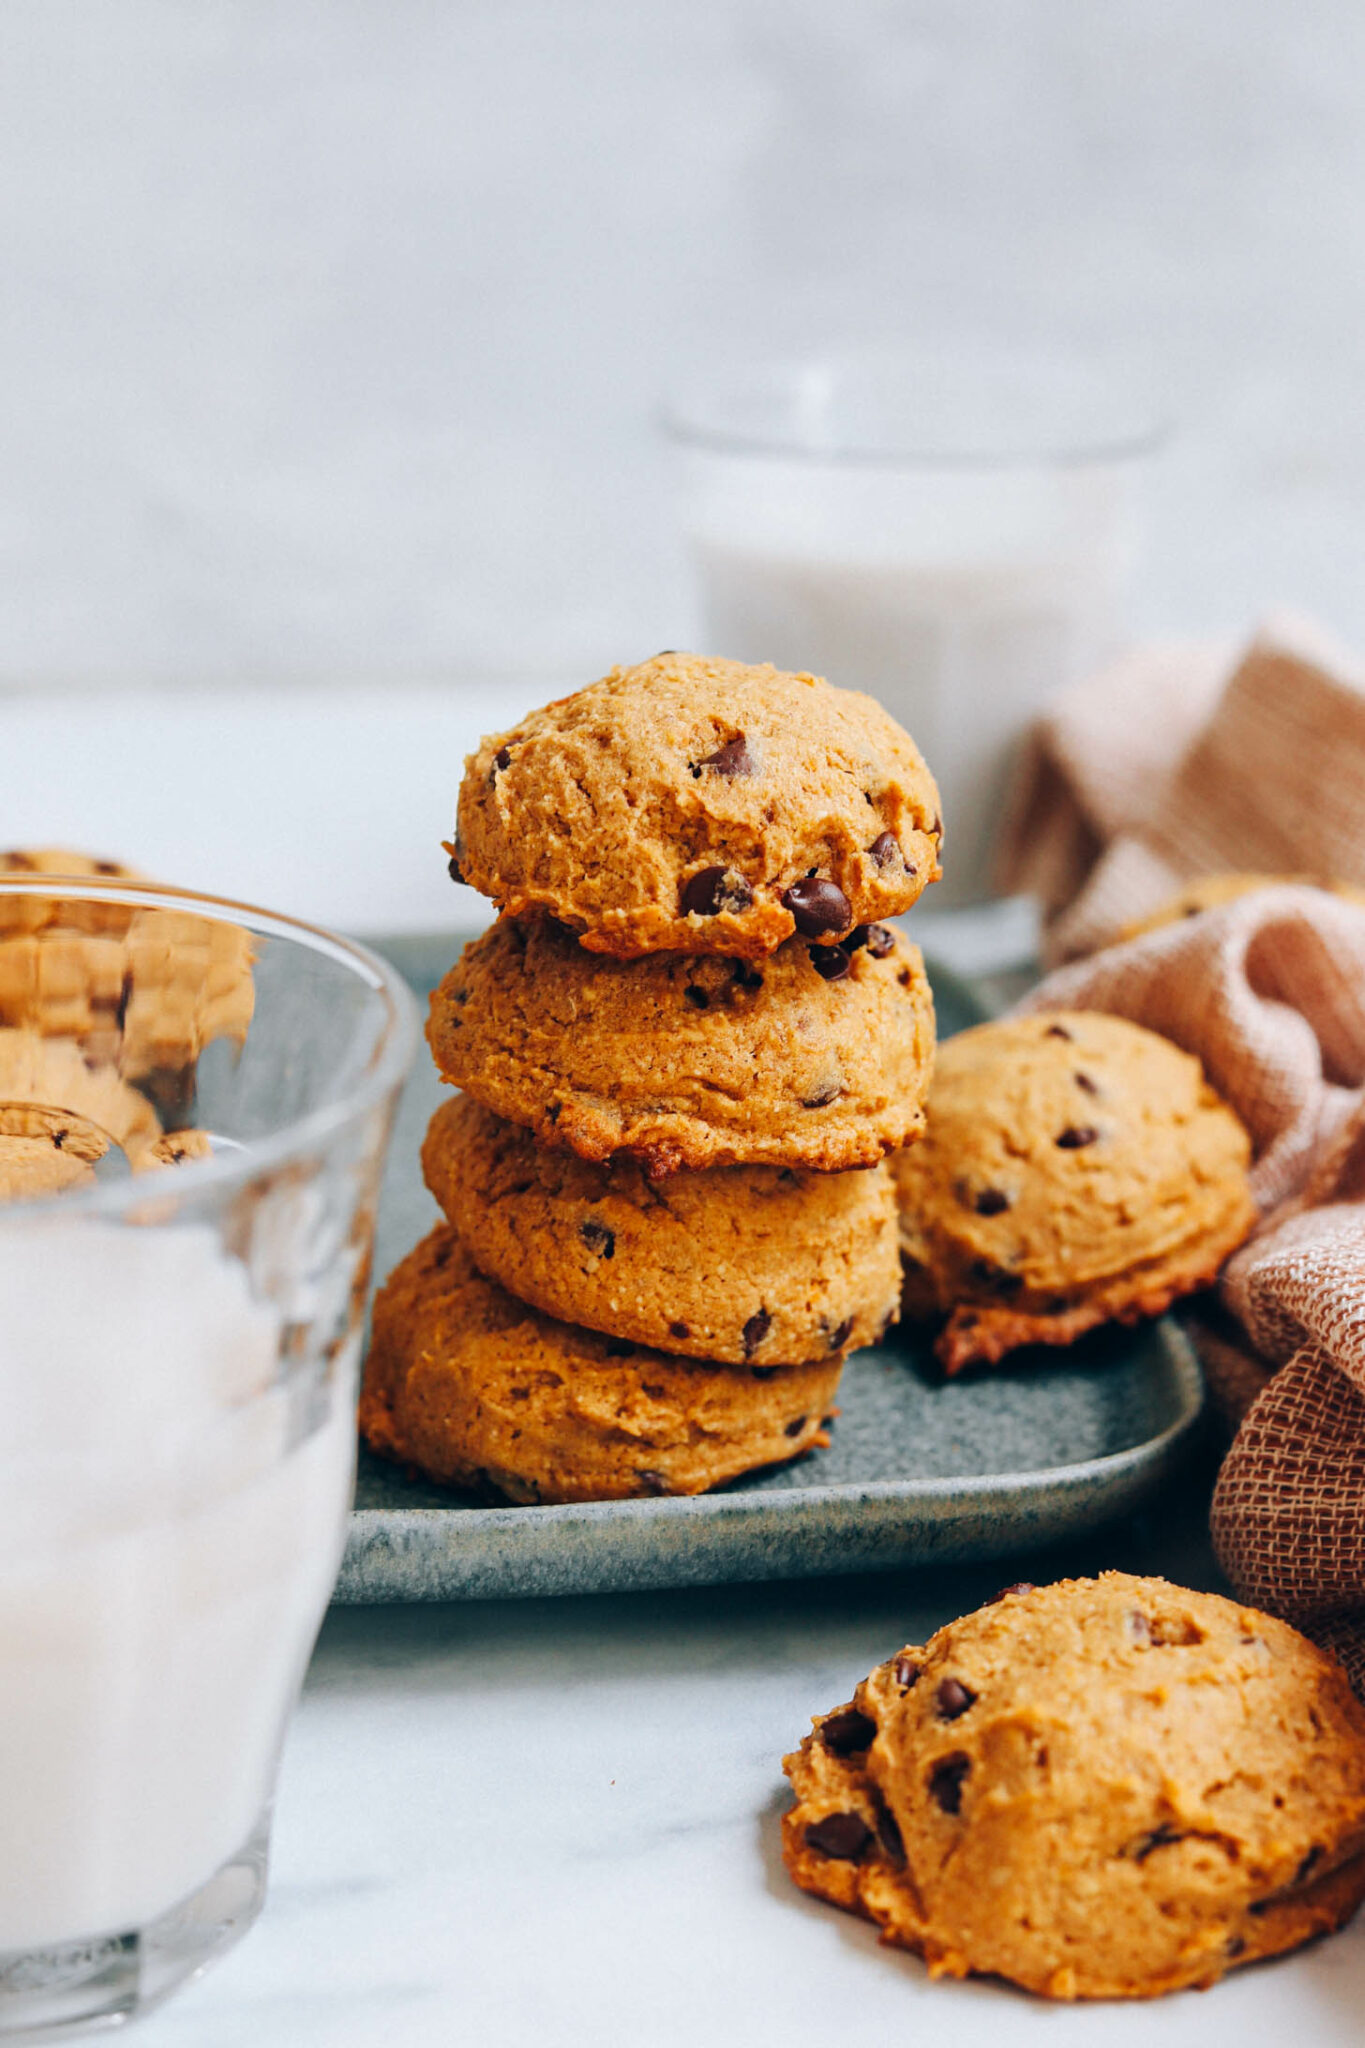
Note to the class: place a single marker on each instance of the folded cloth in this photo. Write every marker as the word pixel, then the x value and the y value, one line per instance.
pixel 1269 992
pixel 1181 761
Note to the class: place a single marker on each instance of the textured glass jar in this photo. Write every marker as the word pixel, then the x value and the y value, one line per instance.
pixel 195 1101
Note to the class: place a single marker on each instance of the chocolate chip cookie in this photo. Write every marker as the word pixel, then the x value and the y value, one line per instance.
pixel 1211 892
pixel 689 805
pixel 1106 1788
pixel 746 1264
pixel 1075 1169
pixel 815 1057
pixel 471 1387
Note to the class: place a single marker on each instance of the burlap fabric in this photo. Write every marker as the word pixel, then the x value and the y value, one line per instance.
pixel 1269 992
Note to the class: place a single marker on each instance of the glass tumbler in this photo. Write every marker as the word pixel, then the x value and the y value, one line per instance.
pixel 195 1100
pixel 954 533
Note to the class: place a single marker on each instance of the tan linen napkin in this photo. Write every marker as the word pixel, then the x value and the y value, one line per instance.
pixel 1182 761
pixel 1269 992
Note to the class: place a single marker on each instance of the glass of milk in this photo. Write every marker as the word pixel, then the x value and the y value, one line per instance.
pixel 953 533
pixel 195 1101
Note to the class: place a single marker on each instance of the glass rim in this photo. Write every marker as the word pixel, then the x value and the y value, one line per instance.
pixel 693 416
pixel 384 1072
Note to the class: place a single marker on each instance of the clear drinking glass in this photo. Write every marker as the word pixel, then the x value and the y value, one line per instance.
pixel 954 533
pixel 195 1100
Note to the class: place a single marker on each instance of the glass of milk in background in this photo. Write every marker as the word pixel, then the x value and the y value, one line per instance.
pixel 953 533
pixel 180 1330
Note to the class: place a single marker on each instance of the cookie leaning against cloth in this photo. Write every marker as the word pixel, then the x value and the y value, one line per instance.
pixel 690 805
pixel 1106 1788
pixel 1075 1169
pixel 815 1057
pixel 473 1388
pixel 744 1264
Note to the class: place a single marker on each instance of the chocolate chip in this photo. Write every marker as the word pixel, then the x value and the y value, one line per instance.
pixel 106 867
pixel 1233 1946
pixel 600 1241
pixel 952 1699
pixel 732 759
pixel 841 1836
pixel 827 1092
pixel 906 1673
pixel 843 1734
pixel 755 1330
pixel 838 1338
pixel 745 976
pixel 680 1331
pixel 1076 1136
pixel 991 1202
pixel 697 997
pixel 1007 1592
pixel 19 863
pixel 817 907
pixel 58 1139
pixel 454 870
pixel 885 848
pixel 1058 1031
pixel 795 1428
pixel 1084 1081
pixel 713 890
pixel 652 1482
pixel 502 759
pixel 831 963
pixel 881 940
pixel 945 1781
pixel 1309 1863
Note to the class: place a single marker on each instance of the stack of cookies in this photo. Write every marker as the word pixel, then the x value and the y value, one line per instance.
pixel 685 1050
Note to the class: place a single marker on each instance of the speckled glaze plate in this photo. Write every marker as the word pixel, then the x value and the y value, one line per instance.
pixel 920 1468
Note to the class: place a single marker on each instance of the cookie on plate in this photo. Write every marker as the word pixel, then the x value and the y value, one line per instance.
pixel 745 1264
pixel 690 805
pixel 471 1387
pixel 815 1057
pixel 1105 1788
pixel 1075 1169
pixel 1210 892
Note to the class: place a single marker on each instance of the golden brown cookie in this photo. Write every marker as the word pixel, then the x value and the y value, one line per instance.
pixel 471 1387
pixel 689 805
pixel 746 1264
pixel 1075 1169
pixel 1105 1788
pixel 49 1075
pixel 1210 892
pixel 145 989
pixel 692 1062
pixel 34 1167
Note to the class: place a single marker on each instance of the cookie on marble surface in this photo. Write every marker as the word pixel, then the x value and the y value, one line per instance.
pixel 1210 892
pixel 473 1388
pixel 1075 1169
pixel 745 1264
pixel 1104 1788
pixel 815 1057
pixel 692 805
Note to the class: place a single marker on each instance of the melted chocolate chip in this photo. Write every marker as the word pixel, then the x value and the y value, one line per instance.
pixel 502 759
pixel 1084 1081
pixel 885 848
pixel 745 976
pixel 697 997
pixel 838 1338
pixel 828 1092
pixel 846 1733
pixel 732 759
pixel 454 870
pixel 652 1482
pixel 841 1836
pixel 795 1427
pixel 755 1330
pixel 1058 1031
pixel 906 1673
pixel 881 941
pixel 991 1202
pixel 831 963
pixel 945 1781
pixel 952 1699
pixel 600 1241
pixel 713 890
pixel 1076 1136
pixel 680 1331
pixel 818 906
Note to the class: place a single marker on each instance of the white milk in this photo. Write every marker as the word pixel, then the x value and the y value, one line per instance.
pixel 960 600
pixel 165 1558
